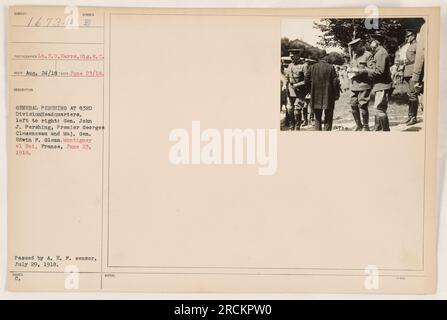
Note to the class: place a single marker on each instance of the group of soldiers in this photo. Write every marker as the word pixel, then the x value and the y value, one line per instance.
pixel 311 87
pixel 295 95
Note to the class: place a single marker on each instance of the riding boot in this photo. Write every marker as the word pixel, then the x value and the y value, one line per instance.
pixel 305 122
pixel 297 119
pixel 413 111
pixel 291 119
pixel 384 122
pixel 365 120
pixel 358 122
pixel 377 124
pixel 287 119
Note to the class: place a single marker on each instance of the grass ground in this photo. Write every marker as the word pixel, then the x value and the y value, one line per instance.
pixel 397 112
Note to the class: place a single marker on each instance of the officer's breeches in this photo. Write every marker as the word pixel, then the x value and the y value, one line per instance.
pixel 381 106
pixel 360 100
pixel 413 101
pixel 297 108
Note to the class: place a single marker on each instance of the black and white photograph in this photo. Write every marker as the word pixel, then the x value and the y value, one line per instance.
pixel 354 74
pixel 145 158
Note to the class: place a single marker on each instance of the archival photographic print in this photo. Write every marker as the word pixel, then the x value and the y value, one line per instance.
pixel 352 74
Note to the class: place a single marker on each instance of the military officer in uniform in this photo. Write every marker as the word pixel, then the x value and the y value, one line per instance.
pixel 380 76
pixel 360 84
pixel 305 113
pixel 417 80
pixel 413 101
pixel 296 89
pixel 310 111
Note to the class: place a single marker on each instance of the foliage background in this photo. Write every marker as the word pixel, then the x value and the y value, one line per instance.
pixel 339 32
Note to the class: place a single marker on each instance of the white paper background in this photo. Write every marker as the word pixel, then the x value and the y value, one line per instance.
pixel 442 154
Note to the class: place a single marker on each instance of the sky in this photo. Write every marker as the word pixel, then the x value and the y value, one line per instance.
pixel 303 29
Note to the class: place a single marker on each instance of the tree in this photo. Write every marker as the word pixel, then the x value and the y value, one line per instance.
pixel 339 32
pixel 335 58
pixel 308 50
pixel 285 46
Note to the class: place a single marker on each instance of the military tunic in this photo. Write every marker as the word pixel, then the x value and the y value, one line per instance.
pixel 380 72
pixel 410 59
pixel 295 75
pixel 361 88
pixel 362 82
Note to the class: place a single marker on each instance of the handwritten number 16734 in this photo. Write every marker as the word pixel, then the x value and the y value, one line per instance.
pixel 44 22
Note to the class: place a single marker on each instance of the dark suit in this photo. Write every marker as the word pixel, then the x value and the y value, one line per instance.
pixel 322 81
